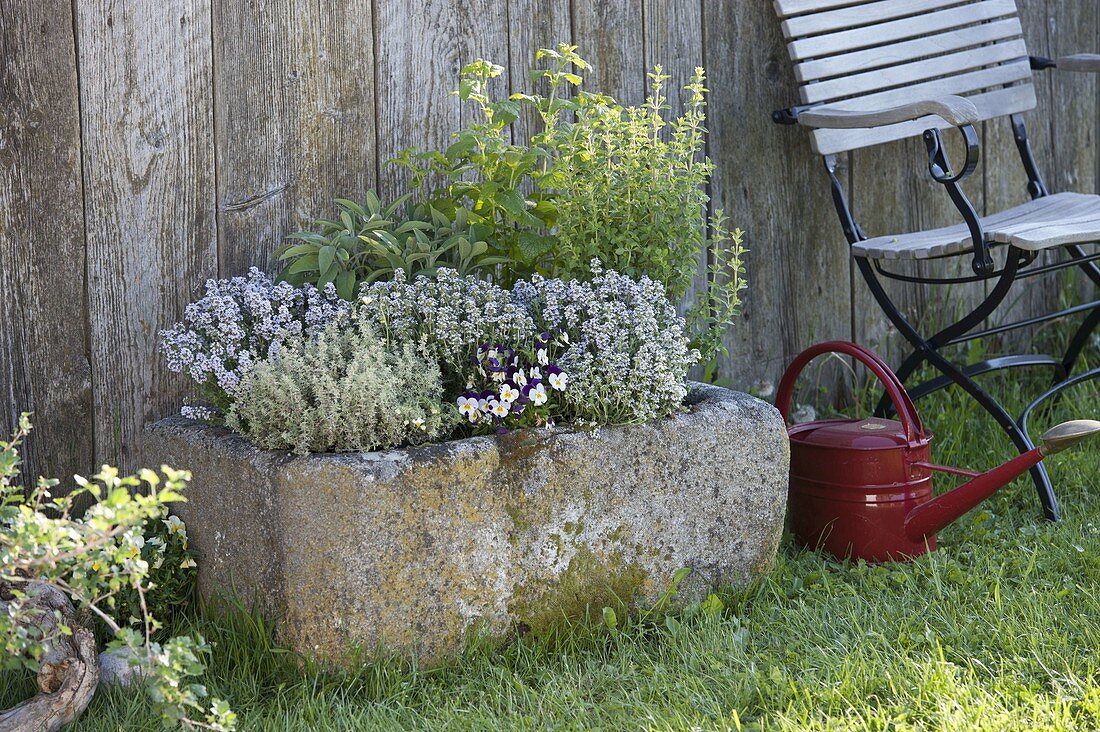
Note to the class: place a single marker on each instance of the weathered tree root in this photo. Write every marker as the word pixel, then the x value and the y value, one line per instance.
pixel 69 674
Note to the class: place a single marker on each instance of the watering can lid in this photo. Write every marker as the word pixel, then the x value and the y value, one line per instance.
pixel 853 434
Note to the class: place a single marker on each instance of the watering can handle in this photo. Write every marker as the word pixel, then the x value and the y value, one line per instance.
pixel 907 413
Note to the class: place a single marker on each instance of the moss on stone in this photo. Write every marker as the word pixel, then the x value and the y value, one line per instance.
pixel 589 582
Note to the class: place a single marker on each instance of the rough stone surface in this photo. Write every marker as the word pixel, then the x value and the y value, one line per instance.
pixel 116 668
pixel 413 549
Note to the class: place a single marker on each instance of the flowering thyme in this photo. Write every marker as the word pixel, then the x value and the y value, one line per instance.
pixel 622 345
pixel 444 316
pixel 241 321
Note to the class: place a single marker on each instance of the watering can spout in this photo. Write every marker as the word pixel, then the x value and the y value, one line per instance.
pixel 928 518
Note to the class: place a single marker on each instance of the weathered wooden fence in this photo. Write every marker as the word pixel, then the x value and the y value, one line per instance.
pixel 148 145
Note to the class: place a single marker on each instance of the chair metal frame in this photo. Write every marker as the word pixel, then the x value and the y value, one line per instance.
pixel 1016 266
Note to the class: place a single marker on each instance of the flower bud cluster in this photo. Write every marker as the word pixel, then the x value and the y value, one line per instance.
pixel 240 321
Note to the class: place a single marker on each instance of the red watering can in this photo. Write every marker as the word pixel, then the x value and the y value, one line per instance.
pixel 862 488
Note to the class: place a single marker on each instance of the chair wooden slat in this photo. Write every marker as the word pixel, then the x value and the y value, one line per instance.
pixel 859 15
pixel 787 8
pixel 960 84
pixel 1051 221
pixel 897 30
pixel 877 54
pixel 898 53
pixel 990 105
pixel 911 73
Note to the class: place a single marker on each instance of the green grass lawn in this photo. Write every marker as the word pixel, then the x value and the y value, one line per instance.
pixel 997 630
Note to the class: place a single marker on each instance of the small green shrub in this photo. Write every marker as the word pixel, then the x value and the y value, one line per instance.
pixel 622 184
pixel 171 576
pixel 599 180
pixel 486 173
pixel 91 560
pixel 341 391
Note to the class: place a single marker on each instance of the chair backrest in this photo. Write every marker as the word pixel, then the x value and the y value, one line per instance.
pixel 874 54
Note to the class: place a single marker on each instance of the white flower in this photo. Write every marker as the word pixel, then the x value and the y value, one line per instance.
pixel 419 423
pixel 468 406
pixel 508 393
pixel 499 408
pixel 538 395
pixel 542 356
pixel 187 563
pixel 536 373
pixel 557 381
pixel 520 378
pixel 175 526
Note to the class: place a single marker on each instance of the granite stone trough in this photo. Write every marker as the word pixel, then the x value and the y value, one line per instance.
pixel 416 549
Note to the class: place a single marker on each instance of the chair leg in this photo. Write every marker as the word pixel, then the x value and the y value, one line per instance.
pixel 928 351
pixel 1081 337
pixel 1080 340
pixel 1054 391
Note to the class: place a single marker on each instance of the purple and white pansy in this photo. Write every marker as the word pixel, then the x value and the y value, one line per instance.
pixel 513 392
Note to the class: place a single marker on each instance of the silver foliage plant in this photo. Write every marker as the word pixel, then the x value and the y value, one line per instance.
pixel 343 390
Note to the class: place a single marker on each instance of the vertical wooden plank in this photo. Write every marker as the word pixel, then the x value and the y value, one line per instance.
pixel 609 35
pixel 149 177
pixel 43 364
pixel 533 24
pixel 773 186
pixel 295 117
pixel 1075 124
pixel 1075 97
pixel 420 49
pixel 673 38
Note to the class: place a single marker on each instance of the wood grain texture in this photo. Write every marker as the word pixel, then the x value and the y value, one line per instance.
pixel 916 71
pixel 421 47
pixel 672 36
pixel 149 175
pixel 990 104
pixel 1043 223
pixel 898 30
pixel 295 115
pixel 533 24
pixel 770 184
pixel 864 14
pixel 952 109
pixel 904 51
pixel 610 35
pixel 1005 180
pixel 43 363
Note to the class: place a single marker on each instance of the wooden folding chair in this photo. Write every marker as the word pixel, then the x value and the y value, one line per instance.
pixel 873 71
